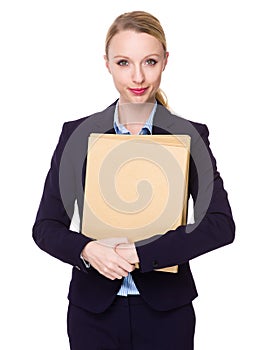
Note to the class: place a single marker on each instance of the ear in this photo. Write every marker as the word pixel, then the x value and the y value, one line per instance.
pixel 166 60
pixel 107 63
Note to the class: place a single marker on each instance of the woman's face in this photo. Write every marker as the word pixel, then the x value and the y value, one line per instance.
pixel 136 62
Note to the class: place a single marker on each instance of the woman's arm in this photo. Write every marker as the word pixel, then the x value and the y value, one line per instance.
pixel 51 228
pixel 214 226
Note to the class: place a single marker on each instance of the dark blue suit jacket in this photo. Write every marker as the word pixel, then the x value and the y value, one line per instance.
pixel 213 227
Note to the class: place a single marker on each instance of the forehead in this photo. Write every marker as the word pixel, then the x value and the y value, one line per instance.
pixel 129 43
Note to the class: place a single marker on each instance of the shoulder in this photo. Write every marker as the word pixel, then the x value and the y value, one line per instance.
pixel 93 119
pixel 183 119
pixel 71 125
pixel 182 123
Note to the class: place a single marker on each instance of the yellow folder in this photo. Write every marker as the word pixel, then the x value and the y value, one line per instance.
pixel 136 186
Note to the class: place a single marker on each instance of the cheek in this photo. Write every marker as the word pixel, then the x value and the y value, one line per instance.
pixel 120 83
pixel 154 76
pixel 120 76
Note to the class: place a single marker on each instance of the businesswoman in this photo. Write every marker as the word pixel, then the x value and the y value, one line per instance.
pixel 113 304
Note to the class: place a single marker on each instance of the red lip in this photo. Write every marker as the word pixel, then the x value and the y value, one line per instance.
pixel 138 91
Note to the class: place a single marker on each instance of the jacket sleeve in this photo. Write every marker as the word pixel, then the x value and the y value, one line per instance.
pixel 51 230
pixel 213 225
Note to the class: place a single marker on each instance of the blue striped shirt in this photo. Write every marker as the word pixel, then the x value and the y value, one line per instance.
pixel 128 285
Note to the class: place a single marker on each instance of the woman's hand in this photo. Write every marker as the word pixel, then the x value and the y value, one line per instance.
pixel 128 252
pixel 102 256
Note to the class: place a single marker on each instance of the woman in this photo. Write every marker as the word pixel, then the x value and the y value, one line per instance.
pixel 112 304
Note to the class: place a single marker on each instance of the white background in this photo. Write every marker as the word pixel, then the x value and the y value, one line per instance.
pixel 219 73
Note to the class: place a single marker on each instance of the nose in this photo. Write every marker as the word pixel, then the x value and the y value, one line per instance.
pixel 138 75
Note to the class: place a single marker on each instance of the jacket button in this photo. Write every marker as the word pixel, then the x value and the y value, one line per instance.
pixel 155 263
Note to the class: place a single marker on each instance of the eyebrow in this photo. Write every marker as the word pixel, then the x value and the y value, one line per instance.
pixel 152 54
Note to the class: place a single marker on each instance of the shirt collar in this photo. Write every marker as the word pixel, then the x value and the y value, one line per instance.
pixel 121 129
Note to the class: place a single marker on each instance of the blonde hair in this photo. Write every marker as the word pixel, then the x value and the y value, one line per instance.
pixel 140 22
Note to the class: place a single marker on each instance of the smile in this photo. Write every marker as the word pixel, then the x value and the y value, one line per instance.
pixel 138 91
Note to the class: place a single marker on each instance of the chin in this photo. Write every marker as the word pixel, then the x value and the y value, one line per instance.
pixel 142 99
pixel 130 98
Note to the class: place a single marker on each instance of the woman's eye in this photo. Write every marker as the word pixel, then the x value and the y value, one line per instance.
pixel 122 63
pixel 151 62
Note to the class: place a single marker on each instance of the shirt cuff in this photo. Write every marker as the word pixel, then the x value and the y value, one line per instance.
pixel 86 263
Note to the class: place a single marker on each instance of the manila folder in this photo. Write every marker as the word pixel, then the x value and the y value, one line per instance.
pixel 135 186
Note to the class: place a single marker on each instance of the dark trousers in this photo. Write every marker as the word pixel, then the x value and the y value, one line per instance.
pixel 130 324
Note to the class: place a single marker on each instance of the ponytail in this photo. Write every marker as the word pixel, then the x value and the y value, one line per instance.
pixel 162 98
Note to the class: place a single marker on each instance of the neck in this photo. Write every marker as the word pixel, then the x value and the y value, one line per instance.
pixel 134 113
